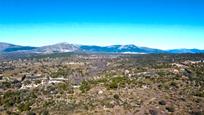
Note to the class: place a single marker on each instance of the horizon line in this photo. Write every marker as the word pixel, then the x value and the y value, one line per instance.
pixel 99 45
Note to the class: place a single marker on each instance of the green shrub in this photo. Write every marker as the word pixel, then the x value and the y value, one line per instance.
pixel 116 82
pixel 199 93
pixel 5 85
pixel 62 87
pixel 65 87
pixel 116 96
pixel 174 84
pixel 27 82
pixel 11 113
pixel 37 81
pixel 85 86
pixel 24 106
pixel 15 98
pixel 170 109
pixel 48 103
pixel 44 112
pixel 10 98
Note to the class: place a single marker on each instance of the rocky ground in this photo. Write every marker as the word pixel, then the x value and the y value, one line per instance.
pixel 126 85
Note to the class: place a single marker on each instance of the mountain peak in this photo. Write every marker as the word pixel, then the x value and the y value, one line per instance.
pixel 4 46
pixel 67 47
pixel 59 47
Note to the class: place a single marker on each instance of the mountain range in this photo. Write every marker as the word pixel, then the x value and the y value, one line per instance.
pixel 66 47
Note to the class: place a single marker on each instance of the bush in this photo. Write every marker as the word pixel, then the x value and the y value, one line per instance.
pixel 15 98
pixel 116 82
pixel 37 82
pixel 170 109
pixel 44 112
pixel 85 86
pixel 27 82
pixel 10 98
pixel 153 112
pixel 162 102
pixel 11 113
pixel 62 72
pixel 199 93
pixel 24 106
pixel 65 87
pixel 30 113
pixel 48 103
pixel 197 113
pixel 5 85
pixel 116 96
pixel 62 87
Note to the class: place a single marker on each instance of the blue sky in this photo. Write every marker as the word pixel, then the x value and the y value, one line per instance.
pixel 164 24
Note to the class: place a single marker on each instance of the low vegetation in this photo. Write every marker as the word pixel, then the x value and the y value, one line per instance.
pixel 105 84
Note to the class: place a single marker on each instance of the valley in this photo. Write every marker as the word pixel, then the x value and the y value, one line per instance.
pixel 81 83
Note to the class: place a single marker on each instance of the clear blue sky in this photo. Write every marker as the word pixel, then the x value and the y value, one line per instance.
pixel 164 24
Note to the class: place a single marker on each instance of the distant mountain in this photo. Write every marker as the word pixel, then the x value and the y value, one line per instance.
pixel 119 49
pixel 5 47
pixel 57 48
pixel 66 47
pixel 185 51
